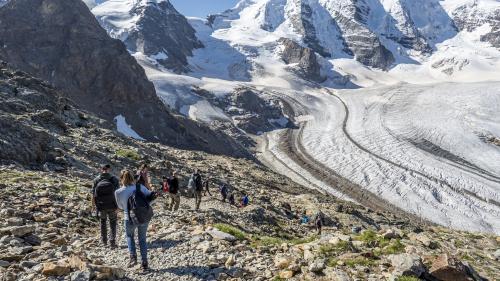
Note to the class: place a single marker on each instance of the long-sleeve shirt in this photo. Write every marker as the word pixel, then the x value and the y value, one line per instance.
pixel 123 194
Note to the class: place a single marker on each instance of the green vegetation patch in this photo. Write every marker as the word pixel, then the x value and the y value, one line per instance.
pixel 128 153
pixel 229 229
pixel 394 247
pixel 407 278
pixel 328 250
pixel 274 241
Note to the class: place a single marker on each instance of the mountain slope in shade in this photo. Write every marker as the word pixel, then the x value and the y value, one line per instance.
pixel 61 41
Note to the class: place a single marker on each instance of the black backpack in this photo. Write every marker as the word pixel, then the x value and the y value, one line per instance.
pixel 139 210
pixel 198 183
pixel 104 195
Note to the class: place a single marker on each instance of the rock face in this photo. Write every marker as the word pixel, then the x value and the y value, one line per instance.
pixel 472 16
pixel 163 33
pixel 251 111
pixel 305 58
pixel 60 41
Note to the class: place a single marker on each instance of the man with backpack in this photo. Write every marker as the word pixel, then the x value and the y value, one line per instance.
pixel 134 199
pixel 198 188
pixel 103 199
pixel 173 192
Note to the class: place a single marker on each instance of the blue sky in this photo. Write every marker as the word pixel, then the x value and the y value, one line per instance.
pixel 201 8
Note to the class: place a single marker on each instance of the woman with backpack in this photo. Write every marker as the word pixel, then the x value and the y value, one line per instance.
pixel 133 198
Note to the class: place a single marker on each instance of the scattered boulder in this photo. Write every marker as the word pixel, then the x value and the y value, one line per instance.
pixel 55 269
pixel 406 265
pixel 286 274
pixel 219 235
pixel 391 234
pixel 18 231
pixel 447 268
pixel 424 239
pixel 282 262
pixel 317 266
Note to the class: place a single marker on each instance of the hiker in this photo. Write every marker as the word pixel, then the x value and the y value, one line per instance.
pixel 244 200
pixel 103 199
pixel 173 192
pixel 304 219
pixel 165 188
pixel 223 191
pixel 318 222
pixel 206 188
pixel 198 188
pixel 231 198
pixel 143 174
pixel 135 196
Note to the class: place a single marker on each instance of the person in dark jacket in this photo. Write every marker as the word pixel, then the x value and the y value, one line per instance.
pixel 198 188
pixel 223 191
pixel 103 200
pixel 173 191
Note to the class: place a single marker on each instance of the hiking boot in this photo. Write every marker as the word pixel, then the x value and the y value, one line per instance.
pixel 133 261
pixel 145 266
pixel 112 245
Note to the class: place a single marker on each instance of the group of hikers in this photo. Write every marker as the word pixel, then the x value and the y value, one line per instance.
pixel 133 193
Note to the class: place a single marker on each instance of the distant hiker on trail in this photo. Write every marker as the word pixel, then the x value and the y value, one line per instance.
pixel 318 222
pixel 198 188
pixel 103 199
pixel 304 219
pixel 206 187
pixel 231 199
pixel 244 201
pixel 173 191
pixel 143 174
pixel 165 187
pixel 223 191
pixel 134 199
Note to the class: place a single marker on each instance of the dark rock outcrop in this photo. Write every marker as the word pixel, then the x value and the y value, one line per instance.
pixel 308 66
pixel 364 44
pixel 303 24
pixel 61 42
pixel 162 29
pixel 250 110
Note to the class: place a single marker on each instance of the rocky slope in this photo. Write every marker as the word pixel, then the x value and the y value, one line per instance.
pixel 61 42
pixel 47 231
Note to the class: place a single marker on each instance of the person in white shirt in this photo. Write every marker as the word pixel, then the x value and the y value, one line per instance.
pixel 128 187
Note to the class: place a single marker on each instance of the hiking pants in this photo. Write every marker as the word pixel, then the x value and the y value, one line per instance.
pixel 111 216
pixel 141 233
pixel 175 200
pixel 197 197
pixel 207 190
pixel 168 202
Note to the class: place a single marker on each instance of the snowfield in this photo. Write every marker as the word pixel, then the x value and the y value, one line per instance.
pixel 415 139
